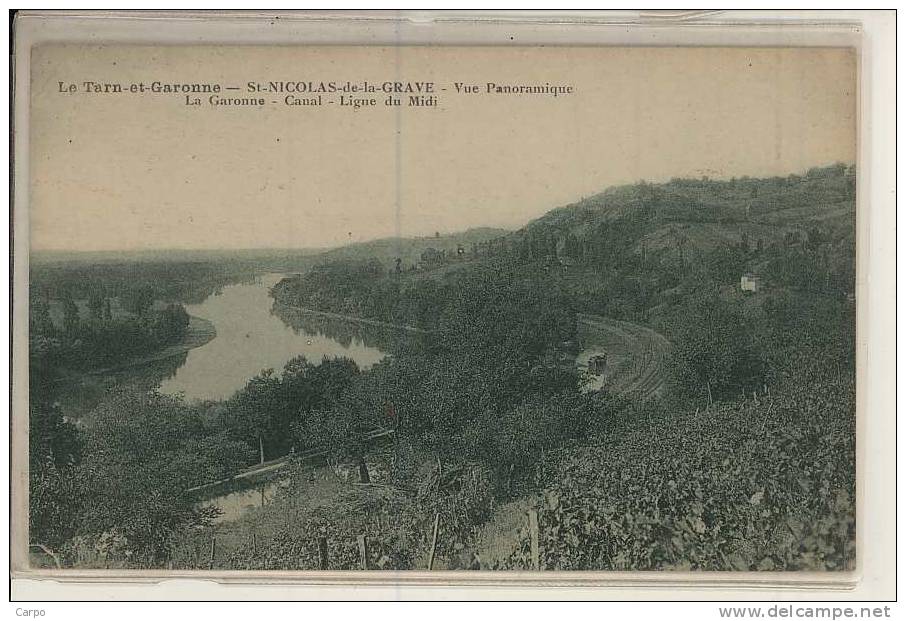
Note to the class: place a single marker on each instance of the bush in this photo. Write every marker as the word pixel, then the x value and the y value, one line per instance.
pixel 751 486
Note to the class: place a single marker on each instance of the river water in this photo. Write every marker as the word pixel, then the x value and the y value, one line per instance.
pixel 251 338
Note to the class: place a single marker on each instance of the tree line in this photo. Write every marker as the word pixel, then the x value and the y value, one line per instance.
pixel 102 337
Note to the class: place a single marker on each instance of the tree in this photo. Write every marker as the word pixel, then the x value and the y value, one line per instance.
pixel 727 262
pixel 513 442
pixel 96 304
pixel 54 500
pixel 341 433
pixel 254 409
pixel 138 299
pixel 170 325
pixel 71 319
pixel 264 413
pixel 39 321
pixel 713 355
pixel 51 438
pixel 141 456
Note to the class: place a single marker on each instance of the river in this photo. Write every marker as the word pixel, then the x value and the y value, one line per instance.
pixel 251 338
pixel 251 335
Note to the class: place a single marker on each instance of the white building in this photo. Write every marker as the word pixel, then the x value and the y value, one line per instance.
pixel 748 282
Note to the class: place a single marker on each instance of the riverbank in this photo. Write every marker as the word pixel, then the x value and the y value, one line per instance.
pixel 354 319
pixel 199 332
pixel 80 390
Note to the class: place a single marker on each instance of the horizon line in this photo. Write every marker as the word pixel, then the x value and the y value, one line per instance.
pixel 315 249
pixel 312 249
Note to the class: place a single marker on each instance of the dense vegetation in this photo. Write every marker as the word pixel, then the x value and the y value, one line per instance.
pixel 410 251
pixel 754 485
pixel 762 482
pixel 103 339
pixel 188 281
pixel 747 462
pixel 87 317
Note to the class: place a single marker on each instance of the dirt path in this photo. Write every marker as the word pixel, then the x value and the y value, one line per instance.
pixel 635 355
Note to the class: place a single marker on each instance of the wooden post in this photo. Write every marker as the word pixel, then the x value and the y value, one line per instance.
pixel 364 477
pixel 433 542
pixel 322 553
pixel 213 552
pixel 533 529
pixel 363 551
pixel 254 544
pixel 262 494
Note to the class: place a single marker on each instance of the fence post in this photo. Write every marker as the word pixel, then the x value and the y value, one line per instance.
pixel 322 553
pixel 213 552
pixel 533 528
pixel 433 542
pixel 363 551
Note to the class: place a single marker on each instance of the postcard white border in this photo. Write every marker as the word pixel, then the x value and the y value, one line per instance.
pixel 871 33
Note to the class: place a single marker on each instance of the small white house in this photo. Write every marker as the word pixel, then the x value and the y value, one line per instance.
pixel 751 283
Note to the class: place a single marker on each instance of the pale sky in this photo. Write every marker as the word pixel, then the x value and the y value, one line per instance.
pixel 130 171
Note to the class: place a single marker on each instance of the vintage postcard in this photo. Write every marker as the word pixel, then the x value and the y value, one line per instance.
pixel 402 307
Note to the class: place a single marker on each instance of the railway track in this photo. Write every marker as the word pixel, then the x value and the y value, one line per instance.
pixel 635 355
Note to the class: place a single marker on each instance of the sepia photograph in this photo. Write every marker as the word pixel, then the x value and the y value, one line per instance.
pixel 436 308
